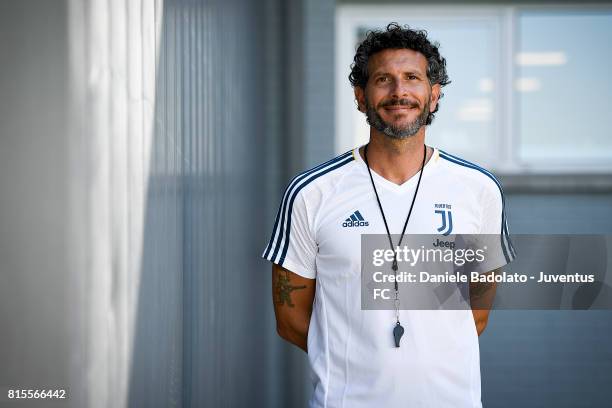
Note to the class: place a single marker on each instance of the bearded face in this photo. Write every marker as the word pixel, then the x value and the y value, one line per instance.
pixel 398 97
pixel 397 129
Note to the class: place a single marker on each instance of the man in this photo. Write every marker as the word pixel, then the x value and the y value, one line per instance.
pixel 356 358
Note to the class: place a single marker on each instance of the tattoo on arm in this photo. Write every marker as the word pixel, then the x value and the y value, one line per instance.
pixel 283 289
pixel 480 289
pixel 482 294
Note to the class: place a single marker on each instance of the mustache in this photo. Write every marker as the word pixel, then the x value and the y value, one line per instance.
pixel 400 102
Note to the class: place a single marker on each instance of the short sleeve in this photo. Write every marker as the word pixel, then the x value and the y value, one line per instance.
pixel 494 226
pixel 292 244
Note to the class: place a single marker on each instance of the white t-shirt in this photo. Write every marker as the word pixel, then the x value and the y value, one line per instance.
pixel 351 352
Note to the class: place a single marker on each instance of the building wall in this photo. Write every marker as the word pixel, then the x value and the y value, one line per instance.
pixel 144 152
pixel 37 313
pixel 556 358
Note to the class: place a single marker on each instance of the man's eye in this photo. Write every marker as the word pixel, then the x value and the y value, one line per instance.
pixel 383 79
pixel 412 77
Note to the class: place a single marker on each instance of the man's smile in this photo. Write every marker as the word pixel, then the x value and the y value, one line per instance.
pixel 398 107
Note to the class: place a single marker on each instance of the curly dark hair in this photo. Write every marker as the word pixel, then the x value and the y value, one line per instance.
pixel 398 37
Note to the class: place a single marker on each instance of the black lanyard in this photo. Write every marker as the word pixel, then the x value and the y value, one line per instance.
pixel 398 330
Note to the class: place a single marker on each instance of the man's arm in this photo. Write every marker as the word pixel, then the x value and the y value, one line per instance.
pixel 481 301
pixel 293 296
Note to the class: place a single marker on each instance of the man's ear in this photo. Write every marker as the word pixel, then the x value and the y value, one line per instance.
pixel 360 98
pixel 435 97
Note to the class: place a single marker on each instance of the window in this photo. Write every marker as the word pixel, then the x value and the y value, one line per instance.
pixel 530 90
pixel 564 88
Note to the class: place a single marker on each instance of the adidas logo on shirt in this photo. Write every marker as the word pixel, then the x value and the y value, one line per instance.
pixel 355 220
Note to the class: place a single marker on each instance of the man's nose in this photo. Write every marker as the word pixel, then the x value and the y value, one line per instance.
pixel 400 88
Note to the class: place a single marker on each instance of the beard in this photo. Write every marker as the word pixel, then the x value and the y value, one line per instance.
pixel 397 132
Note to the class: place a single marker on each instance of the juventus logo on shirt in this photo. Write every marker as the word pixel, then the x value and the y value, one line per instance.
pixel 447 218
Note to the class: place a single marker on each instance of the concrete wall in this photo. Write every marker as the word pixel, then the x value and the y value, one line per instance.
pixel 144 148
pixel 37 290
